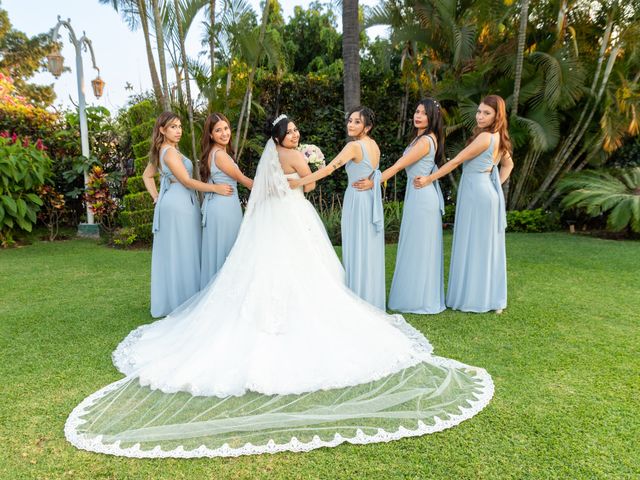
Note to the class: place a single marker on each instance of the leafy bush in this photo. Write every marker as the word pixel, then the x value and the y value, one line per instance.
pixel 24 167
pixel 531 221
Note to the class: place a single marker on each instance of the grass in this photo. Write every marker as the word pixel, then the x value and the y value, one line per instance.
pixel 564 357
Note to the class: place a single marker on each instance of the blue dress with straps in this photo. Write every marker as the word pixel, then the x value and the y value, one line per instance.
pixel 221 219
pixel 363 234
pixel 478 272
pixel 418 280
pixel 175 259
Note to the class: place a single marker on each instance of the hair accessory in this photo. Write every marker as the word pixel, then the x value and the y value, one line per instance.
pixel 281 117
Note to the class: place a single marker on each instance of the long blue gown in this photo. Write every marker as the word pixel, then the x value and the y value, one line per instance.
pixel 418 280
pixel 363 234
pixel 478 272
pixel 221 219
pixel 175 259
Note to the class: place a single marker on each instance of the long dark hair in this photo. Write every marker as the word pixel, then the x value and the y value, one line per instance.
pixel 207 143
pixel 278 131
pixel 499 124
pixel 435 125
pixel 367 116
pixel 157 138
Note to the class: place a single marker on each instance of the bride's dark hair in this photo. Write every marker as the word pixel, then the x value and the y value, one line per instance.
pixel 278 131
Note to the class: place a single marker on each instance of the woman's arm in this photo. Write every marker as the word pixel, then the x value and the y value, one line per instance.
pixel 475 148
pixel 300 165
pixel 225 163
pixel 417 151
pixel 349 152
pixel 148 177
pixel 173 160
pixel 506 165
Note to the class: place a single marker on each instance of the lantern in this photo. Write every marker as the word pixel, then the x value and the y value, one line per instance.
pixel 55 63
pixel 98 85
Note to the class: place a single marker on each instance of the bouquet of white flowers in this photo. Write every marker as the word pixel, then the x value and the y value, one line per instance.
pixel 313 155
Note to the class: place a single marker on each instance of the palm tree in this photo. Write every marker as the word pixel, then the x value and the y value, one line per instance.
pixel 135 12
pixel 179 19
pixel 610 47
pixel 212 36
pixel 522 36
pixel 157 21
pixel 600 192
pixel 351 53
pixel 255 45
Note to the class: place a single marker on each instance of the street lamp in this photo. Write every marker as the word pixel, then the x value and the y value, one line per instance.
pixel 55 63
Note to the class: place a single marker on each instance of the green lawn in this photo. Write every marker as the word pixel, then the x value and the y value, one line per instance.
pixel 565 359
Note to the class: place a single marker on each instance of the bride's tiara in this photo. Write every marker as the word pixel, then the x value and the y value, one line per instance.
pixel 281 117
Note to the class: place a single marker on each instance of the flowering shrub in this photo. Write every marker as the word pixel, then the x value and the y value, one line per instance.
pixel 17 114
pixel 24 167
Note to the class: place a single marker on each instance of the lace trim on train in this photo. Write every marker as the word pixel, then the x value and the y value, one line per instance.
pixel 421 345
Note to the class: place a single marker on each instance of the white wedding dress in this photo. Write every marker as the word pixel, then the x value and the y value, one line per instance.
pixel 276 353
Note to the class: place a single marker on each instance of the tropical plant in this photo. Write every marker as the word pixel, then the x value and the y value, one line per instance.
pixel 136 13
pixel 52 210
pixel 616 194
pixel 24 167
pixel 99 199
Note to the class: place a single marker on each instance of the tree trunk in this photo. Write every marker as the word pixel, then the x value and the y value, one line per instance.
pixel 157 89
pixel 246 104
pixel 351 53
pixel 522 36
pixel 561 22
pixel 185 68
pixel 212 37
pixel 161 58
pixel 567 147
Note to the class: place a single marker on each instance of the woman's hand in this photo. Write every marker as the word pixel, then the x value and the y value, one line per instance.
pixel 363 184
pixel 249 184
pixel 223 189
pixel 421 181
pixel 294 183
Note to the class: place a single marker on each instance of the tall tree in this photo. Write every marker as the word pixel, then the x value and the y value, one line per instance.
pixel 157 21
pixel 522 36
pixel 185 68
pixel 212 34
pixel 134 13
pixel 246 105
pixel 351 53
pixel 21 57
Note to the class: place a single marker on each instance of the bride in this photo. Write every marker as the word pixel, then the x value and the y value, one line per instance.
pixel 276 353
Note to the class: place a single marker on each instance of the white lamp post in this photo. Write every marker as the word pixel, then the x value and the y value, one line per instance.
pixel 55 65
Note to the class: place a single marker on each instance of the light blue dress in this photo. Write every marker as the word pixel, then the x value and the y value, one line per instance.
pixel 478 272
pixel 221 219
pixel 175 259
pixel 363 234
pixel 418 280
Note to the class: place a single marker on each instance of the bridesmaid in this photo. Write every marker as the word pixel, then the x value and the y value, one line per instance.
pixel 418 280
pixel 362 218
pixel 175 259
pixel 221 215
pixel 478 272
